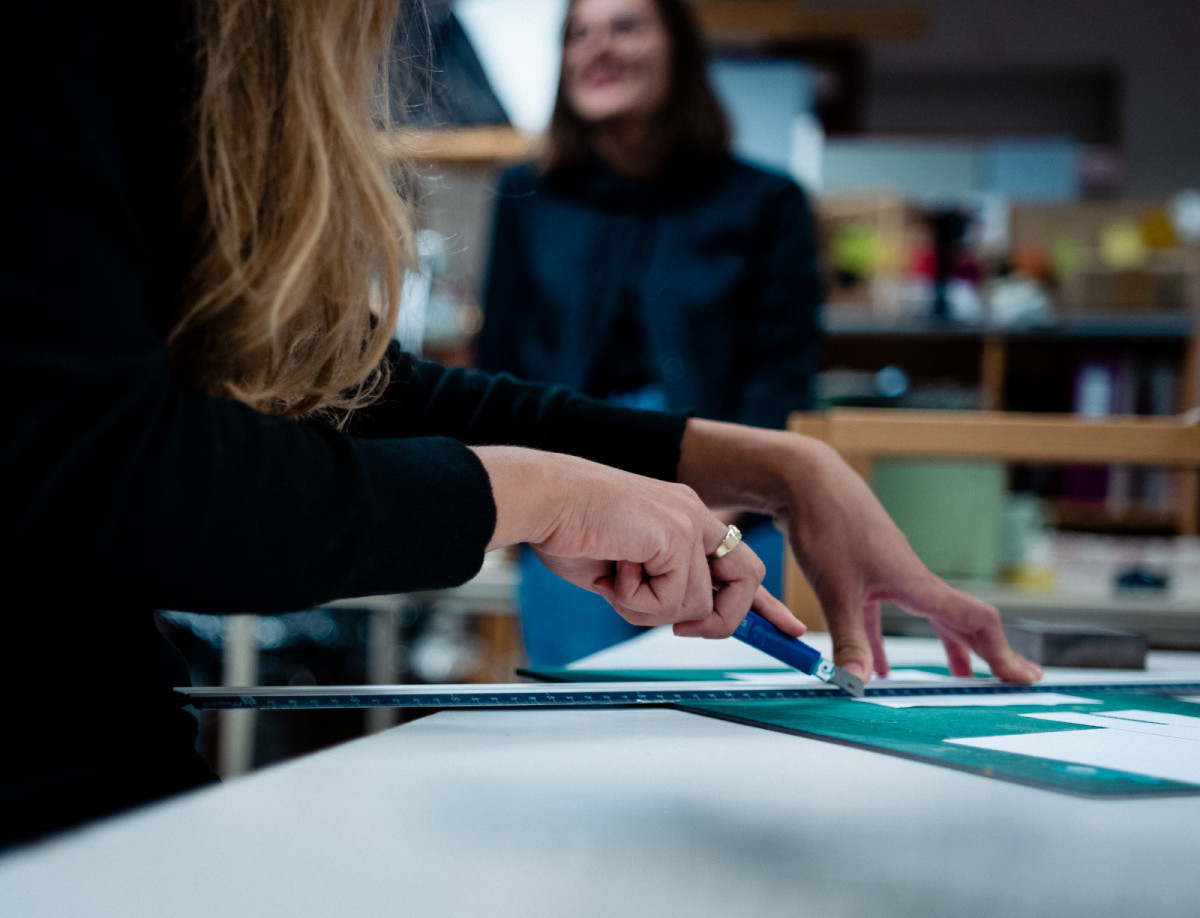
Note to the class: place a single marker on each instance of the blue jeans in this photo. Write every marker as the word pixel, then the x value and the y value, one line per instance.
pixel 561 622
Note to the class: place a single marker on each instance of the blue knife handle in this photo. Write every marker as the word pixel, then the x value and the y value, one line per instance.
pixel 758 632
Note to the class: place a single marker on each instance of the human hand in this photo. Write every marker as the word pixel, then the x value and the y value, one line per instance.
pixel 642 544
pixel 855 558
pixel 852 553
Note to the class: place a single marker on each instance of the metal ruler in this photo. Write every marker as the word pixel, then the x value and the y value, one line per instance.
pixel 626 694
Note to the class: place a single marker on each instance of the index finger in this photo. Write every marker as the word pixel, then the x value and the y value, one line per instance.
pixel 779 615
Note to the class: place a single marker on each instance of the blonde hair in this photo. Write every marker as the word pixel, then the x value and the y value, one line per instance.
pixel 297 209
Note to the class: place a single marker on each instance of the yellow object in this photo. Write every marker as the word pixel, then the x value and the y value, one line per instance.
pixel 1158 232
pixel 1122 246
pixel 1034 577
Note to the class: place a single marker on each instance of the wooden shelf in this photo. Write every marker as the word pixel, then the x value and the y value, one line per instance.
pixel 1007 436
pixel 468 148
pixel 783 21
pixel 1095 516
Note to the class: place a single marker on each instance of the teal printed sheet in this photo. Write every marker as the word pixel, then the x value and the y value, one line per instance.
pixel 1110 745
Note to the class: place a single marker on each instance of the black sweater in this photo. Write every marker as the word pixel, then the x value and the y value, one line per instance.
pixel 125 489
pixel 702 280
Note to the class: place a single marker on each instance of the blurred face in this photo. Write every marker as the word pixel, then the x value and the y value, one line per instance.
pixel 616 60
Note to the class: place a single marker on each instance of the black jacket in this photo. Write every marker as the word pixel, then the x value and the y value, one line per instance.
pixel 716 259
pixel 124 489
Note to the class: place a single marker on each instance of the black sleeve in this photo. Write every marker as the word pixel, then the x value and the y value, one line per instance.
pixel 120 477
pixel 479 408
pixel 117 475
pixel 787 333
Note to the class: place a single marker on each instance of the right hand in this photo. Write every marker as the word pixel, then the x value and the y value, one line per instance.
pixel 642 544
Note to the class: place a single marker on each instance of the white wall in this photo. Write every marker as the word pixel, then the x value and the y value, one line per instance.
pixel 517 42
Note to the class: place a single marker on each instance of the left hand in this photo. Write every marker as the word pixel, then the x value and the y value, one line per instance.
pixel 852 553
pixel 856 558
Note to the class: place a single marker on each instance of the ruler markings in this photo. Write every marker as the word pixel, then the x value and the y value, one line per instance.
pixel 609 694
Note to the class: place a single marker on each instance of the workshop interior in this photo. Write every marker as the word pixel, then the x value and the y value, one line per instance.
pixel 1008 215
pixel 1001 263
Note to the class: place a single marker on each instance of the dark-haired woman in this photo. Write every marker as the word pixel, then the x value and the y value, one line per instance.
pixel 642 263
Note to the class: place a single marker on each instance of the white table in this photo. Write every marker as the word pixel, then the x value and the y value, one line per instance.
pixel 612 813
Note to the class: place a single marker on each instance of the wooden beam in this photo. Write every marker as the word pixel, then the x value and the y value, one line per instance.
pixel 471 148
pixel 1013 436
pixel 758 21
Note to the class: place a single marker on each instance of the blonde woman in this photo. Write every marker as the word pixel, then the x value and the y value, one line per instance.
pixel 202 411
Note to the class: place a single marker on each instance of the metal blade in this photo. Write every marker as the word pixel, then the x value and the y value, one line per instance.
pixel 846 681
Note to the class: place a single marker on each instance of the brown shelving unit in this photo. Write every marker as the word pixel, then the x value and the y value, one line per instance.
pixel 1028 368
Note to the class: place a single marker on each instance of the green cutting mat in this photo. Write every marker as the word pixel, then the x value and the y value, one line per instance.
pixel 921 733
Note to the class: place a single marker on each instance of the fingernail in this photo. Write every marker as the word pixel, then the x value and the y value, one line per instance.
pixel 856 669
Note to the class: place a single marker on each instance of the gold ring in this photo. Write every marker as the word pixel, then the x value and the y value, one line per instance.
pixel 733 536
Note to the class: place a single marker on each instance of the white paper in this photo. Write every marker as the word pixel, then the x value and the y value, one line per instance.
pixel 1000 700
pixel 1179 726
pixel 909 675
pixel 906 677
pixel 790 677
pixel 1138 742
pixel 783 677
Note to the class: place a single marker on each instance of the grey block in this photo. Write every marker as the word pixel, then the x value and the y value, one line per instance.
pixel 1081 645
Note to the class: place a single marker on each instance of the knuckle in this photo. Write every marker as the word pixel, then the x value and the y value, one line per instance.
pixel 686 492
pixel 636 617
pixel 759 568
pixel 849 647
pixel 687 525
